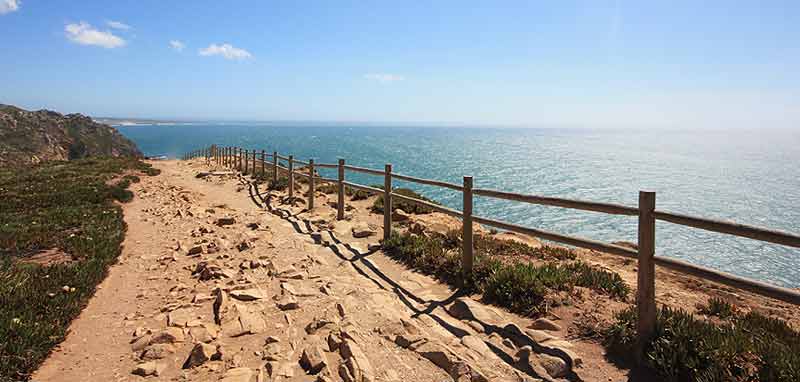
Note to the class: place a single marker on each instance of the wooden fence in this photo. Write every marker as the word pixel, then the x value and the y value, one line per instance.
pixel 646 212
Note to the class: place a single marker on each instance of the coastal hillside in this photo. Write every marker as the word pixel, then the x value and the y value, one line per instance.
pixel 29 137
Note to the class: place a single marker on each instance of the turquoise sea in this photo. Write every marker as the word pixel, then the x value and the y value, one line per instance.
pixel 747 176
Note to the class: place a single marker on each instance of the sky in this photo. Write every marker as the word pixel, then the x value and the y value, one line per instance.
pixel 644 64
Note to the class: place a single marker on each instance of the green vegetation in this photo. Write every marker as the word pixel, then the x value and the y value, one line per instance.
pixel 332 188
pixel 278 185
pixel 67 206
pixel 737 347
pixel 410 208
pixel 718 307
pixel 515 283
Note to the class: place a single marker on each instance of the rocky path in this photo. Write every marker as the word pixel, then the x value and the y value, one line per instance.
pixel 211 286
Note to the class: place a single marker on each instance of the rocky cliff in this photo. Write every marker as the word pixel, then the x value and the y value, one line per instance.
pixel 34 136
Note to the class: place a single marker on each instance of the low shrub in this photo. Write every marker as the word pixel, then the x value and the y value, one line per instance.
pixel 280 184
pixel 518 285
pixel 742 347
pixel 327 188
pixel 717 307
pixel 407 207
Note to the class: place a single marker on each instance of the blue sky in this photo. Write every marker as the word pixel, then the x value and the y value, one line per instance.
pixel 678 64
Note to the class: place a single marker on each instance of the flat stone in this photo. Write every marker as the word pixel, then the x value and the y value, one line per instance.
pixel 539 335
pixel 239 374
pixel 149 368
pixel 168 336
pixel 140 343
pixel 355 360
pixel 225 221
pixel 200 354
pixel 204 333
pixel 179 318
pixel 313 360
pixel 248 294
pixel 555 367
pixel 477 344
pixel 399 216
pixel 157 351
pixel 363 230
pixel 316 324
pixel 195 250
pixel 465 308
pixel 545 324
pixel 287 302
pixel 334 342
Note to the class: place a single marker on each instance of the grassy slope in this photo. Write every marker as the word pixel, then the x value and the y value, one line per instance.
pixel 65 205
pixel 502 270
pixel 727 345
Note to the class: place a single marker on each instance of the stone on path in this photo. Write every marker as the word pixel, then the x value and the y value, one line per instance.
pixel 239 374
pixel 545 324
pixel 168 336
pixel 248 294
pixel 200 354
pixel 362 230
pixel 225 221
pixel 157 351
pixel 149 368
pixel 313 360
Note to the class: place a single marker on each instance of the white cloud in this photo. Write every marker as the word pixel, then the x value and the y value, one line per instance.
pixel 384 77
pixel 84 34
pixel 118 25
pixel 177 45
pixel 226 50
pixel 8 6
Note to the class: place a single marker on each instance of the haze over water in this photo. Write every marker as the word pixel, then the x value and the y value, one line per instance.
pixel 747 176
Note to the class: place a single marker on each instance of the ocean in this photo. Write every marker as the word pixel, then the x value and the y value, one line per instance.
pixel 747 176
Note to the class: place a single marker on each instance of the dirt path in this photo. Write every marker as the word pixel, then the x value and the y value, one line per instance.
pixel 212 287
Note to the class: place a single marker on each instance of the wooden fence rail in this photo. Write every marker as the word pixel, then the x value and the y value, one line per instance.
pixel 646 212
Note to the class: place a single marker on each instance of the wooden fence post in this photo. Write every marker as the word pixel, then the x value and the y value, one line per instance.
pixel 467 257
pixel 387 202
pixel 340 193
pixel 246 157
pixel 275 166
pixel 253 169
pixel 291 177
pixel 311 184
pixel 646 275
pixel 263 163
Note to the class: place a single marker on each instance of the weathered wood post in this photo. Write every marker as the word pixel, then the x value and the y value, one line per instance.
pixel 311 184
pixel 253 169
pixel 467 257
pixel 340 192
pixel 291 177
pixel 263 163
pixel 239 159
pixel 646 275
pixel 245 159
pixel 275 166
pixel 387 202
